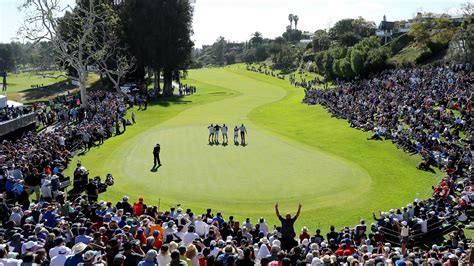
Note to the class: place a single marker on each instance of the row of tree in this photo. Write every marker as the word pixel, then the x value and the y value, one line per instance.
pixel 15 54
pixel 428 37
pixel 350 48
pixel 283 50
pixel 121 39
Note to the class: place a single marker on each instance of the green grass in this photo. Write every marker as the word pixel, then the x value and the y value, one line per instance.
pixel 296 153
pixel 24 81
pixel 407 56
pixel 54 82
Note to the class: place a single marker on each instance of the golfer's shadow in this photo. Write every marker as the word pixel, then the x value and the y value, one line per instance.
pixel 154 169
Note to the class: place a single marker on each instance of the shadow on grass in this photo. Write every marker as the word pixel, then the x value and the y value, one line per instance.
pixel 167 100
pixel 34 94
pixel 154 169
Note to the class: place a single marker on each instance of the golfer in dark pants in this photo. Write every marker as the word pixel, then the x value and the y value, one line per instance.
pixel 156 155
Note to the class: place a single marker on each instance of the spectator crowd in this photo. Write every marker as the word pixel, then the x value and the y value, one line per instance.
pixel 423 111
pixel 12 112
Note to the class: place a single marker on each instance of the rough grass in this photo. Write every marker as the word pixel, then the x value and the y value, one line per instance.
pixel 408 56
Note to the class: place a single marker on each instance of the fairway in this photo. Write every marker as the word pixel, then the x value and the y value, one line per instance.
pixel 295 153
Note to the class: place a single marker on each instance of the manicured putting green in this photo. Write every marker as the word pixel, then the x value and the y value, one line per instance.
pixel 190 165
pixel 295 153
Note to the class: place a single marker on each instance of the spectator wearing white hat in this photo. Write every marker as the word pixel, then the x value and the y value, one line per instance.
pixel 76 255
pixel 60 258
pixel 91 258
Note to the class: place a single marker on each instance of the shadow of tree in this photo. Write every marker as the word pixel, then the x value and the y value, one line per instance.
pixel 33 94
pixel 166 101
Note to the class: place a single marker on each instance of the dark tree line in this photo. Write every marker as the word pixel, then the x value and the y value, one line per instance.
pixel 158 34
pixel 123 40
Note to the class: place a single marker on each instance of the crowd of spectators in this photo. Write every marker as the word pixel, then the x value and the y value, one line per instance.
pixel 34 163
pixel 185 89
pixel 12 112
pixel 296 79
pixel 87 231
pixel 423 111
pixel 84 232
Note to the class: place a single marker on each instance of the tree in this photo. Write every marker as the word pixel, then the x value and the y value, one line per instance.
pixel 462 50
pixel 7 61
pixel 230 58
pixel 357 62
pixel 42 55
pixel 175 44
pixel 290 18
pixel 288 58
pixel 73 47
pixel 219 48
pixel 420 30
pixel 345 69
pixel 292 35
pixel 296 18
pixel 159 35
pixel 256 39
pixel 350 31
pixel 321 41
pixel 318 61
pixel 18 51
pixel 141 34
pixel 261 53
pixel 249 56
pixel 112 58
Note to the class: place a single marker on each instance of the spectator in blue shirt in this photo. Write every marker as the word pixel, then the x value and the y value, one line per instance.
pixel 82 237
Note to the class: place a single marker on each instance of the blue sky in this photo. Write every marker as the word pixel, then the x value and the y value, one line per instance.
pixel 236 20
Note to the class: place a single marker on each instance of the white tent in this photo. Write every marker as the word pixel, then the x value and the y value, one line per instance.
pixel 13 103
pixel 5 102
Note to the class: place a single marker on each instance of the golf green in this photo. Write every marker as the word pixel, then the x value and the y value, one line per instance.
pixel 295 153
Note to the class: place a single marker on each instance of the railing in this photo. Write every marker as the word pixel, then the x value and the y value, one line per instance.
pixel 19 122
pixel 434 231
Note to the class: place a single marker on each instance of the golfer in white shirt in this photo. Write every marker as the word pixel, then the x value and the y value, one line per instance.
pixel 211 133
pixel 224 134
pixel 236 134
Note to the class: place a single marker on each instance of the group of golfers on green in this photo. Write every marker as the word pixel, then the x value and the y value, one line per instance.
pixel 214 134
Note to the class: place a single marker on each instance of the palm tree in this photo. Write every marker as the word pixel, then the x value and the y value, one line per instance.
pixel 256 38
pixel 295 18
pixel 290 18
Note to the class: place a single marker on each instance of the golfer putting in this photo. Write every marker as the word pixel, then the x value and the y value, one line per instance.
pixel 156 155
